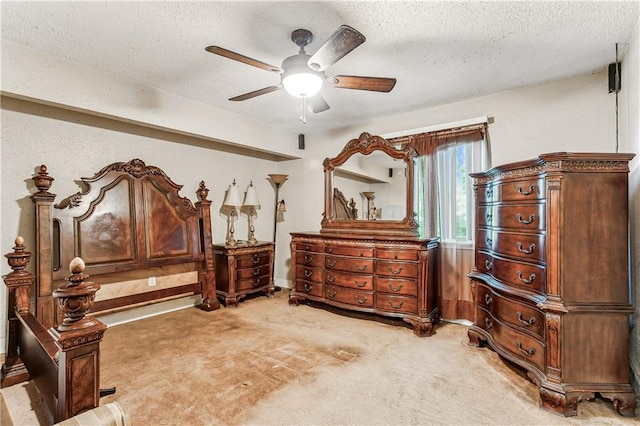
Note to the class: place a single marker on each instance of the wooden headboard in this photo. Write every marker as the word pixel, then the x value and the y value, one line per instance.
pixel 343 209
pixel 140 240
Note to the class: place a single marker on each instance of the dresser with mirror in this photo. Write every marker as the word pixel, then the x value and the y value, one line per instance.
pixel 367 256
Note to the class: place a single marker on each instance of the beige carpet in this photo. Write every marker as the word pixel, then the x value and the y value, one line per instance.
pixel 266 363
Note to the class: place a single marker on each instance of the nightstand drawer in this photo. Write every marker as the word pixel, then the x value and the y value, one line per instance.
pixel 252 260
pixel 252 283
pixel 252 272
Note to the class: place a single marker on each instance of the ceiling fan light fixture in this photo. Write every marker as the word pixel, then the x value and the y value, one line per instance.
pixel 298 79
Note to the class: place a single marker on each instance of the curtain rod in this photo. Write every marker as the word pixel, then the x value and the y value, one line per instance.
pixel 436 127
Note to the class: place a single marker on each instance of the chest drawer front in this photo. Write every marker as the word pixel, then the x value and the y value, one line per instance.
pixel 485 193
pixel 349 264
pixel 397 286
pixel 252 260
pixel 520 344
pixel 349 251
pixel 530 247
pixel 310 274
pixel 311 288
pixel 512 312
pixel 528 217
pixel 251 283
pixel 525 189
pixel 395 254
pixel 397 269
pixel 252 272
pixel 344 279
pixel 310 247
pixel 523 275
pixel 348 296
pixel 310 259
pixel 401 304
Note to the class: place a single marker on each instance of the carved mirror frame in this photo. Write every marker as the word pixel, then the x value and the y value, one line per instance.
pixel 366 144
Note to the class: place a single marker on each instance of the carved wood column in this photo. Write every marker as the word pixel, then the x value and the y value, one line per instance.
pixel 78 339
pixel 43 201
pixel 19 283
pixel 207 277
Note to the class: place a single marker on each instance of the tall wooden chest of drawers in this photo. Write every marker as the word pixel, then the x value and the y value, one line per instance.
pixel 390 276
pixel 243 269
pixel 550 282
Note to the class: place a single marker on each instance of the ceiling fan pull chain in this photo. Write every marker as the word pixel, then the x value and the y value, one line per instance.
pixel 303 114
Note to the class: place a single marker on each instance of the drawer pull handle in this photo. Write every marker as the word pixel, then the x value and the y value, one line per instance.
pixel 360 301
pixel 307 259
pixel 525 221
pixel 256 283
pixel 525 322
pixel 487 299
pixel 330 278
pixel 488 323
pixel 525 251
pixel 395 272
pixel 256 272
pixel 361 254
pixel 488 265
pixel 529 192
pixel 530 352
pixel 490 192
pixel 307 248
pixel 329 250
pixel 331 294
pixel 256 259
pixel 360 268
pixel 398 306
pixel 308 287
pixel 531 278
pixel 307 273
pixel 395 289
pixel 489 242
pixel 489 218
pixel 364 283
pixel 331 263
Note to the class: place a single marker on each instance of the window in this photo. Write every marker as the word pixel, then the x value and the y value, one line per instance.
pixel 454 162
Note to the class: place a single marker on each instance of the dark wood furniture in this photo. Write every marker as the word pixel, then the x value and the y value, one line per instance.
pixel 133 234
pixel 550 283
pixel 243 269
pixel 376 266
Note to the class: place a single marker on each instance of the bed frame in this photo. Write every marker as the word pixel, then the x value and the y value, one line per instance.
pixel 136 237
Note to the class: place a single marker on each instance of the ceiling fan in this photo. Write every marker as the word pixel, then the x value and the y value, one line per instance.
pixel 303 75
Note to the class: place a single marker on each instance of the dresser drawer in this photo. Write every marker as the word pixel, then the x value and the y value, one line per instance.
pixel 310 274
pixel 253 260
pixel 531 188
pixel 519 343
pixel 309 247
pixel 523 275
pixel 311 288
pixel 397 286
pixel 397 269
pixel 349 251
pixel 251 283
pixel 411 255
pixel 485 193
pixel 520 315
pixel 530 247
pixel 346 279
pixel 252 272
pixel 351 297
pixel 401 304
pixel 310 259
pixel 349 264
pixel 528 217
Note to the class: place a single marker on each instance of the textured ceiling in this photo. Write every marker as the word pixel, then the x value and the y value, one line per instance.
pixel 439 51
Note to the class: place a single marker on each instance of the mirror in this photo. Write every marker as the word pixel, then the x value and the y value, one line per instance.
pixel 369 188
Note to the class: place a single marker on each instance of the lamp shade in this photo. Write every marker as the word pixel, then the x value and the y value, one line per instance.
pixel 234 196
pixel 298 79
pixel 251 197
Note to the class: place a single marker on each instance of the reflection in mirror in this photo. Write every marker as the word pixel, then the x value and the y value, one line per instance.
pixel 376 183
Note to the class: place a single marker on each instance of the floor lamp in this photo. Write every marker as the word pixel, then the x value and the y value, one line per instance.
pixel 280 207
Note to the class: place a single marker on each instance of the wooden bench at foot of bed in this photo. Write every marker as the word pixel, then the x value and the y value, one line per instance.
pixel 63 361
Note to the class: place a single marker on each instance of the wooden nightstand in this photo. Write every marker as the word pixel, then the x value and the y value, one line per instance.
pixel 243 269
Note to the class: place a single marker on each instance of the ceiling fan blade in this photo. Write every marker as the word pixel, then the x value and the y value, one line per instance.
pixel 255 93
pixel 374 84
pixel 241 58
pixel 343 41
pixel 318 103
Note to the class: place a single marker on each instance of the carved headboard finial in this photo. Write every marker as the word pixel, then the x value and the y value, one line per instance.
pixel 202 191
